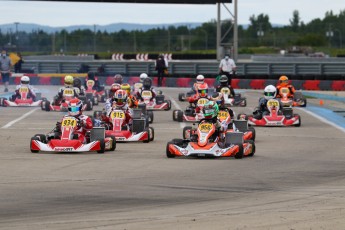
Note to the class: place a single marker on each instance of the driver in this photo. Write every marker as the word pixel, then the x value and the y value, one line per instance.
pixel 200 79
pixel 219 99
pixel 91 76
pixel 132 100
pixel 147 85
pixel 24 83
pixel 78 85
pixel 118 79
pixel 284 82
pixel 201 93
pixel 68 81
pixel 223 80
pixel 270 92
pixel 84 122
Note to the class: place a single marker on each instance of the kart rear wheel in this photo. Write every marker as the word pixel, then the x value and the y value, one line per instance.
pixel 186 130
pixel 239 154
pixel 148 135
pixel 47 106
pixel 253 148
pixel 174 115
pixel 151 116
pixel 300 121
pixel 113 142
pixel 181 97
pixel 151 133
pixel 102 144
pixel 169 105
pixel 89 105
pixel 179 116
pixel 244 103
pixel 2 101
pixel 33 139
pixel 254 133
pixel 168 153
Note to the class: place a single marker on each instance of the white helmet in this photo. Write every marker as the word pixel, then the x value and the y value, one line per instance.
pixel 143 76
pixel 25 80
pixel 200 79
pixel 270 92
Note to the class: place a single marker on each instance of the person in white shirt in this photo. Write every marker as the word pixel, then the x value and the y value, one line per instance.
pixel 227 67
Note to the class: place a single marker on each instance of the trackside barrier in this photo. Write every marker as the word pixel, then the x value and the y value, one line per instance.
pixel 57 79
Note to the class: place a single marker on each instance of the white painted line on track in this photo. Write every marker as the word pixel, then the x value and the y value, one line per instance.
pixel 182 124
pixel 323 119
pixel 9 124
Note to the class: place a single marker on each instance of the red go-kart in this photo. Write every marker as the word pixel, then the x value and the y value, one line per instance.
pixel 24 99
pixel 190 114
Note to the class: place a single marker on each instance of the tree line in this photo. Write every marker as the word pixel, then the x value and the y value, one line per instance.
pixel 326 32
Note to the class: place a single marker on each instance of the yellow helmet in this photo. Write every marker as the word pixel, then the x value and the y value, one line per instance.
pixel 127 87
pixel 68 80
pixel 283 80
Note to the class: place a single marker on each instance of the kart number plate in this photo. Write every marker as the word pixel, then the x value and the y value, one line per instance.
pixel 138 85
pixel 146 94
pixel 90 83
pixel 222 115
pixel 205 127
pixel 69 122
pixel 117 114
pixel 24 90
pixel 202 101
pixel 68 92
pixel 272 103
pixel 225 91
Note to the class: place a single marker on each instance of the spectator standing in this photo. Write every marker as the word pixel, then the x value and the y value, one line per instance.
pixel 5 68
pixel 227 67
pixel 18 65
pixel 161 67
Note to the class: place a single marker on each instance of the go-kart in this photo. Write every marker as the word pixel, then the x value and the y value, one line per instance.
pixel 286 117
pixel 186 96
pixel 237 100
pixel 24 99
pixel 289 100
pixel 67 140
pixel 139 130
pixel 62 105
pixel 190 115
pixel 154 104
pixel 94 95
pixel 204 142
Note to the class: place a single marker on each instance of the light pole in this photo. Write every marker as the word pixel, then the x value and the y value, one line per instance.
pixel 168 40
pixel 340 37
pixel 329 34
pixel 189 42
pixel 94 38
pixel 16 23
pixel 206 39
pixel 260 32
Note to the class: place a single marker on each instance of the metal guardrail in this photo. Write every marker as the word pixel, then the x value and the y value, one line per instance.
pixel 179 68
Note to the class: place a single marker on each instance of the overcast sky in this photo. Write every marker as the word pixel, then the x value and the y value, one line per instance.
pixel 72 13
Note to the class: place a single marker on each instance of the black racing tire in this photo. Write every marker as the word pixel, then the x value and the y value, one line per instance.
pixel 244 103
pixel 33 139
pixel 168 153
pixel 239 154
pixel 47 106
pixel 185 130
pixel 169 105
pixel 148 135
pixel 179 116
pixel 253 131
pixel 89 105
pixel 102 144
pixel 253 148
pixel 151 133
pixel 181 97
pixel 174 115
pixel 300 120
pixel 113 144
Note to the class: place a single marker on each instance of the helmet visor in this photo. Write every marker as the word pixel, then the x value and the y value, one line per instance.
pixel 202 91
pixel 74 109
pixel 120 100
pixel 284 81
pixel 269 94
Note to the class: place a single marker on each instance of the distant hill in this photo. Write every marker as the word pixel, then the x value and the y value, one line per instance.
pixel 115 27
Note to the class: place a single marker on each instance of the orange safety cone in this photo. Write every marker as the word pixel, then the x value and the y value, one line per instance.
pixel 321 102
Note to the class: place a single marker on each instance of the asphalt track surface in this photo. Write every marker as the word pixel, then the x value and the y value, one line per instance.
pixel 296 180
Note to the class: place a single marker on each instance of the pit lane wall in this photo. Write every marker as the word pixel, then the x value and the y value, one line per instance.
pixel 57 79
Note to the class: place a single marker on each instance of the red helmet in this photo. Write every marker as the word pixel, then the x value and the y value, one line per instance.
pixel 118 79
pixel 120 97
pixel 75 107
pixel 203 90
pixel 115 87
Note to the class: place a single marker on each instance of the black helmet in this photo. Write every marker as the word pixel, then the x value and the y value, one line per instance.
pixel 223 80
pixel 76 82
pixel 147 83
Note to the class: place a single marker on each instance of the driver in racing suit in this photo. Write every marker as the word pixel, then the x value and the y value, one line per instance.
pixel 132 100
pixel 284 82
pixel 84 122
pixel 24 82
pixel 201 93
pixel 147 85
pixel 223 80
pixel 270 92
pixel 200 80
pixel 68 80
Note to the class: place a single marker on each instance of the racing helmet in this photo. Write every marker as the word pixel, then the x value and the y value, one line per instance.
pixel 210 110
pixel 143 76
pixel 68 81
pixel 203 90
pixel 114 87
pixel 218 98
pixel 147 83
pixel 127 88
pixel 120 98
pixel 223 80
pixel 118 79
pixel 270 92
pixel 25 80
pixel 200 79
pixel 283 80
pixel 77 82
pixel 75 107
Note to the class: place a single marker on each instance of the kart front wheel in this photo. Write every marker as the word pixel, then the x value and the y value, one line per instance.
pixel 299 120
pixel 151 133
pixel 150 114
pixel 239 154
pixel 147 130
pixel 89 106
pixel 113 142
pixel 168 153
pixel 33 139
pixel 47 106
pixel 169 105
pixel 181 97
pixel 187 132
pixel 253 147
pixel 253 132
pixel 102 146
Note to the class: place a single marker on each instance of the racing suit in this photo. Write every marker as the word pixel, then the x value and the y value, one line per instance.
pixel 59 97
pixel 132 101
pixel 220 127
pixel 110 105
pixel 262 110
pixel 232 92
pixel 193 102
pixel 196 86
pixel 31 93
pixel 290 87
pixel 84 125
